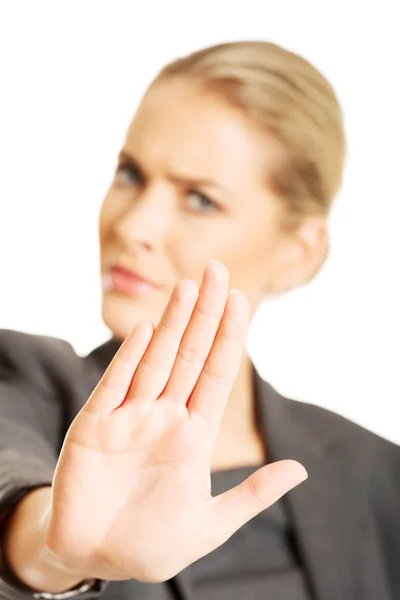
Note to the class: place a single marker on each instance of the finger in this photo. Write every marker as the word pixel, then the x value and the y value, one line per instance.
pixel 155 367
pixel 232 509
pixel 200 334
pixel 215 383
pixel 110 392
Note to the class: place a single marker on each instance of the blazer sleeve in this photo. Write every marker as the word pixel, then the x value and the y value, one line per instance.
pixel 33 423
pixel 385 492
pixel 30 416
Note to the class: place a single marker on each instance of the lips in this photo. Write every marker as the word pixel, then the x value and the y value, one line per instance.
pixel 128 282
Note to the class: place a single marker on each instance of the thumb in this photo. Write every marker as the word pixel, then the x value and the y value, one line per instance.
pixel 234 508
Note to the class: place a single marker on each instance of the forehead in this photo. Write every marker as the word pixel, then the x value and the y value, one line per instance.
pixel 181 127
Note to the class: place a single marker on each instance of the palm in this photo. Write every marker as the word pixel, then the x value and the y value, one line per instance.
pixel 132 486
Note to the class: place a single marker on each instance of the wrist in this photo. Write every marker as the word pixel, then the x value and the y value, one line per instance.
pixel 29 559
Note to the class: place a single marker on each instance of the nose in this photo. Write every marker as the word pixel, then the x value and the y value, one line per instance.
pixel 144 223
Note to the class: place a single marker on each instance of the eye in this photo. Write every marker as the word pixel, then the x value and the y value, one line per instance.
pixel 127 176
pixel 198 202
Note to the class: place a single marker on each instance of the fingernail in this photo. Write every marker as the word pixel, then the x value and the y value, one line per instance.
pixel 215 262
pixel 303 475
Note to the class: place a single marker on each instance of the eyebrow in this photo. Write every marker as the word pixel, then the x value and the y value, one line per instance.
pixel 179 179
pixel 127 159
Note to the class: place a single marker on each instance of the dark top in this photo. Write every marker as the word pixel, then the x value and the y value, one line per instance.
pixel 258 561
pixel 335 537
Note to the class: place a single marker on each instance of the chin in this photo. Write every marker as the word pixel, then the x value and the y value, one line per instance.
pixel 122 313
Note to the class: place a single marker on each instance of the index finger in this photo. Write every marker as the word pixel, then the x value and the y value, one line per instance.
pixel 113 387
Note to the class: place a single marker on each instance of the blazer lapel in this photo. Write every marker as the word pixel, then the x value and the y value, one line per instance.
pixel 182 585
pixel 332 523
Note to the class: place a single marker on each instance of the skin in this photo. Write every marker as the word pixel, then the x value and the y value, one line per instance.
pixel 160 220
pixel 192 186
pixel 131 495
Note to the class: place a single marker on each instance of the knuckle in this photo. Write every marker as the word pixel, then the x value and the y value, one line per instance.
pixel 113 385
pixel 122 360
pixel 255 492
pixel 191 356
pixel 208 315
pixel 155 364
pixel 170 329
pixel 218 379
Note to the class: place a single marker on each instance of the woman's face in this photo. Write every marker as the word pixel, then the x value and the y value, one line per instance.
pixel 190 187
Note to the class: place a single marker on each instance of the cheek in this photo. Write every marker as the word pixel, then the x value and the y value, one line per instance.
pixel 189 252
pixel 105 216
pixel 249 252
pixel 243 250
pixel 102 223
pixel 110 212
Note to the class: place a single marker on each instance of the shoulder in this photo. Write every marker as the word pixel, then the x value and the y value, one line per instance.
pixel 15 343
pixel 313 429
pixel 354 439
pixel 373 465
pixel 372 460
pixel 46 362
pixel 31 356
pixel 43 379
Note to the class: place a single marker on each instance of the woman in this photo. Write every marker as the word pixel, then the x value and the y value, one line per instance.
pixel 234 154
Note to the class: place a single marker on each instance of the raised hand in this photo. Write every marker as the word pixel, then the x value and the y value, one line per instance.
pixel 131 493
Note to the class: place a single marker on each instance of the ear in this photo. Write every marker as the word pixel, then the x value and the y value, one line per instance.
pixel 301 254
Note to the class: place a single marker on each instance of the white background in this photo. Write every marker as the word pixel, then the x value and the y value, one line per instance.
pixel 71 74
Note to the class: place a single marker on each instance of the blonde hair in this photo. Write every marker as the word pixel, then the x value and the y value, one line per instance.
pixel 287 98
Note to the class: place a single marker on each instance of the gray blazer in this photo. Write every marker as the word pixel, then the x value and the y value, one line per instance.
pixel 346 516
